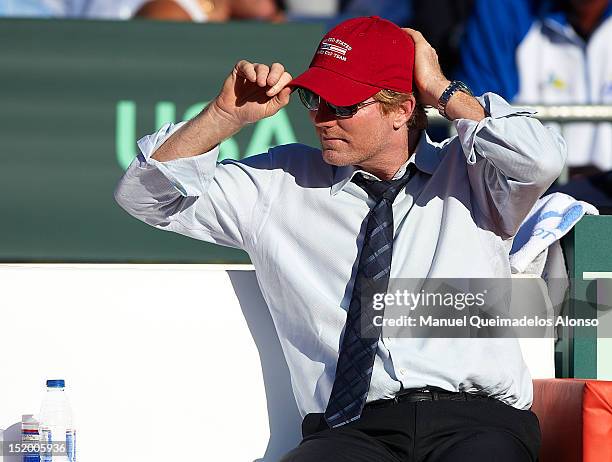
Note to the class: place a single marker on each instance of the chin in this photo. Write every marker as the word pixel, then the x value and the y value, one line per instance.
pixel 333 157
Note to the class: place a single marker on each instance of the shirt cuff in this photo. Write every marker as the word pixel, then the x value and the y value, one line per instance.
pixel 497 108
pixel 189 175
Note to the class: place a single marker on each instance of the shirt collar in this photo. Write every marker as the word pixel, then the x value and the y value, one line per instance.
pixel 425 158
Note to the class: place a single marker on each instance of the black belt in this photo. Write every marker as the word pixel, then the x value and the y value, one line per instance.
pixel 413 395
pixel 315 422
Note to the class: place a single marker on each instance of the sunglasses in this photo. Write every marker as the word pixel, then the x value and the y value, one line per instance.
pixel 312 102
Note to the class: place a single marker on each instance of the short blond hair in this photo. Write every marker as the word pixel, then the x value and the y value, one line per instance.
pixel 391 100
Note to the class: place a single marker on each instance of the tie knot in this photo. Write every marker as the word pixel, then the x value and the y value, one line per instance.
pixel 387 189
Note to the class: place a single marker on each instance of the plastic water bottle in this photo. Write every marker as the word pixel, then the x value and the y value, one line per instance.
pixel 30 438
pixel 56 423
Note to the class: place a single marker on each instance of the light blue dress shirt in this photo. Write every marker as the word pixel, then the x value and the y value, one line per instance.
pixel 301 222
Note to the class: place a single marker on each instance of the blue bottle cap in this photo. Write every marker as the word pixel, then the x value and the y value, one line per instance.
pixel 59 383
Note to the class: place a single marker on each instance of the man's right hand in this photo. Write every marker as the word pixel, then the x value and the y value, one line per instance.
pixel 252 92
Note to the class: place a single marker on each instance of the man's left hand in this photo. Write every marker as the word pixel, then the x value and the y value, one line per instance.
pixel 429 80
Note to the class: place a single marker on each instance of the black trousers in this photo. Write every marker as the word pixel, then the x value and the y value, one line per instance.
pixel 484 430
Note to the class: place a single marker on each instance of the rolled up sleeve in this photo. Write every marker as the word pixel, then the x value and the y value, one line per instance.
pixel 512 159
pixel 197 196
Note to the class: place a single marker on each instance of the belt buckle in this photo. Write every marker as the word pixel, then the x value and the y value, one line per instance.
pixel 432 393
pixel 424 390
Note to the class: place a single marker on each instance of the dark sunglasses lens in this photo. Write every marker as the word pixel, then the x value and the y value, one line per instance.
pixel 309 99
pixel 343 111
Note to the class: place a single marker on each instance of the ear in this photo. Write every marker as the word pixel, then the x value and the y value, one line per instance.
pixel 403 113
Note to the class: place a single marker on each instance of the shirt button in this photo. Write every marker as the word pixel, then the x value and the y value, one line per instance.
pixel 402 371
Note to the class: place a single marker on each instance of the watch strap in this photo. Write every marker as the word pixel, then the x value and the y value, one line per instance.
pixel 454 87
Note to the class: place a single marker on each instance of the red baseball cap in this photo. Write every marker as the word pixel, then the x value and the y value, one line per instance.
pixel 357 59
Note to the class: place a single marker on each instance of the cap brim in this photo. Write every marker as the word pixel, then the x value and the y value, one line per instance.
pixel 333 87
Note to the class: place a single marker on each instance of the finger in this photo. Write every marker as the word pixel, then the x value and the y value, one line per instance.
pixel 280 85
pixel 246 69
pixel 283 97
pixel 415 34
pixel 276 71
pixel 262 74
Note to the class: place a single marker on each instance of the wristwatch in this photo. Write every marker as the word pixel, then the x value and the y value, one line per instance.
pixel 454 87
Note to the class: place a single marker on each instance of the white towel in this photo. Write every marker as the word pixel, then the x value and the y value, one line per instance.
pixel 550 219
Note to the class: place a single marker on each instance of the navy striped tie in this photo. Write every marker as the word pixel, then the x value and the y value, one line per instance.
pixel 360 340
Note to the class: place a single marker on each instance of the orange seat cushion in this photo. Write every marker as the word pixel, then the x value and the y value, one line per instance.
pixel 575 418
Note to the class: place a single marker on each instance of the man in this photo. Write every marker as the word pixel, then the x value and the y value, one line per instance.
pixel 543 52
pixel 378 201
